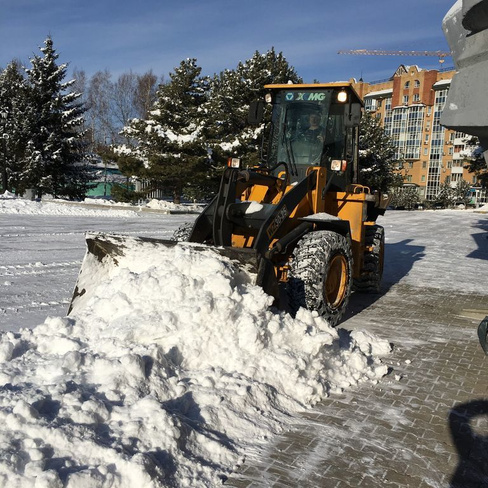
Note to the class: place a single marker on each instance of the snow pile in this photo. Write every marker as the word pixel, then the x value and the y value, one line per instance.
pixel 484 208
pixel 164 205
pixel 153 204
pixel 10 204
pixel 165 372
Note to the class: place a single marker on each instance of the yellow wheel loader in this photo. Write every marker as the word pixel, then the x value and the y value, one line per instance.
pixel 301 218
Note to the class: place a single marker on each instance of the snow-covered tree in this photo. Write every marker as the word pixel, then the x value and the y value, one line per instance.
pixel 195 117
pixel 54 161
pixel 14 129
pixel 446 196
pixel 405 197
pixel 461 192
pixel 232 92
pixel 171 141
pixel 377 156
pixel 476 163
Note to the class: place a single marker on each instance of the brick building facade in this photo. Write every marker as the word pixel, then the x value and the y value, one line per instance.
pixel 409 106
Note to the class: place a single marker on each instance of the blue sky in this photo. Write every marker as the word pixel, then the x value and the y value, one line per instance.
pixel 125 35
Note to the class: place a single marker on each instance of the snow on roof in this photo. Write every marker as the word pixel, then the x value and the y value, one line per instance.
pixel 379 93
pixel 441 83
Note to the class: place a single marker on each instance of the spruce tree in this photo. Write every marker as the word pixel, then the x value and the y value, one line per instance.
pixel 476 163
pixel 377 157
pixel 171 142
pixel 54 160
pixel 14 129
pixel 232 92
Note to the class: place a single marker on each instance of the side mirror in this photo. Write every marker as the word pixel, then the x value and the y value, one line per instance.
pixel 256 113
pixel 353 118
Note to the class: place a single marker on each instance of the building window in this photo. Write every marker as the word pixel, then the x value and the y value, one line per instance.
pixel 416 84
pixel 426 152
pixel 405 99
pixel 416 97
pixel 424 164
pixel 456 177
pixel 409 178
pixel 407 85
pixel 423 178
pixel 426 138
pixel 369 104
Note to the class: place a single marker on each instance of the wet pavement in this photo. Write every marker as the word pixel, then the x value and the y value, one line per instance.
pixel 425 424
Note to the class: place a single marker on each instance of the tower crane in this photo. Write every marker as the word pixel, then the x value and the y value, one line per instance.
pixel 379 52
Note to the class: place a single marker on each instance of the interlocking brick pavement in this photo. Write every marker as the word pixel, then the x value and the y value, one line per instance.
pixel 425 424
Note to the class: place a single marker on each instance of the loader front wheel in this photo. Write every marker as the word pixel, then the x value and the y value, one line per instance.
pixel 320 275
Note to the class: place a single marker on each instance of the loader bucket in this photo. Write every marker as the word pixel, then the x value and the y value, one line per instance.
pixel 106 252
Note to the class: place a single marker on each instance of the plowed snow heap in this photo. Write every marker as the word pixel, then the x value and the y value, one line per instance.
pixel 164 375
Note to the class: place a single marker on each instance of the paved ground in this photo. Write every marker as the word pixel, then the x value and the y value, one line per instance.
pixel 423 425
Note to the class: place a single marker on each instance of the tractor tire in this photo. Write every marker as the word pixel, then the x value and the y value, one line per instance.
pixel 320 275
pixel 372 271
pixel 183 232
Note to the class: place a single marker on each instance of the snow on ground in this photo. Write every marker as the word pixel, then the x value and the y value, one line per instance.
pixel 174 365
pixel 443 249
pixel 9 204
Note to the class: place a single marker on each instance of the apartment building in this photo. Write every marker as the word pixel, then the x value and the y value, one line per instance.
pixel 409 106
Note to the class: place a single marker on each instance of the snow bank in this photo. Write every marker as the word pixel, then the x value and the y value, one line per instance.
pixel 164 374
pixel 163 205
pixel 10 204
pixel 484 208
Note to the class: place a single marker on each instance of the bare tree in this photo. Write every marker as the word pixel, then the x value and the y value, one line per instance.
pixel 99 111
pixel 122 98
pixel 112 104
pixel 145 94
pixel 80 82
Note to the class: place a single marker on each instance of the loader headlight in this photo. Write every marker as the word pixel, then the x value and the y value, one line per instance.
pixel 268 98
pixel 234 163
pixel 338 165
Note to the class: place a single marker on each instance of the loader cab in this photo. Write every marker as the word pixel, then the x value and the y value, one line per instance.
pixel 314 125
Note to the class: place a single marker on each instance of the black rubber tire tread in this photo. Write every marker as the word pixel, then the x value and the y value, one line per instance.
pixel 183 232
pixel 372 271
pixel 308 272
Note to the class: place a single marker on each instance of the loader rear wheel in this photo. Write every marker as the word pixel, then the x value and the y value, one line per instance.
pixel 371 275
pixel 320 275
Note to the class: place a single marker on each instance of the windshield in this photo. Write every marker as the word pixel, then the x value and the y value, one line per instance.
pixel 307 130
